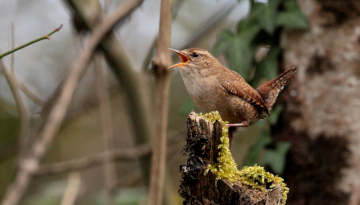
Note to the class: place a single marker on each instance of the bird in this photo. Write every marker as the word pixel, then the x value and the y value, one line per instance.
pixel 214 87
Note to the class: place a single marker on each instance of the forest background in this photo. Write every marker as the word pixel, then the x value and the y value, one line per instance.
pixel 99 151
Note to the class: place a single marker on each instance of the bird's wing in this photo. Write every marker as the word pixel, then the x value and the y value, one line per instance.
pixel 236 85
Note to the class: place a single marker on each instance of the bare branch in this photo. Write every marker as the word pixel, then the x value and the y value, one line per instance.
pixel 12 46
pixel 21 86
pixel 17 81
pixel 24 120
pixel 95 160
pixel 162 84
pixel 30 164
pixel 107 127
pixel 151 51
pixel 27 90
pixel 125 155
pixel 72 189
pixel 47 36
pixel 124 71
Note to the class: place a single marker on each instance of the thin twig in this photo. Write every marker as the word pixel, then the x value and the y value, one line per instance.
pixel 30 164
pixel 124 155
pixel 107 127
pixel 15 84
pixel 95 160
pixel 72 189
pixel 162 85
pixel 24 120
pixel 26 89
pixel 12 46
pixel 47 36
pixel 16 80
pixel 151 52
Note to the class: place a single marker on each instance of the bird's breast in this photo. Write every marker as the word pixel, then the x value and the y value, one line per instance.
pixel 208 95
pixel 204 90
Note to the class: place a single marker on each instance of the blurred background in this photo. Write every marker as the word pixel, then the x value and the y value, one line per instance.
pixel 312 138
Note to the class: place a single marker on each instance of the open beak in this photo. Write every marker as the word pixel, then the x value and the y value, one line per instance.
pixel 184 59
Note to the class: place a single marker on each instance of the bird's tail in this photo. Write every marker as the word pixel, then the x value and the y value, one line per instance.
pixel 270 90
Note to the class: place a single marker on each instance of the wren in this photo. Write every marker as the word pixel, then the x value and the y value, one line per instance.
pixel 213 87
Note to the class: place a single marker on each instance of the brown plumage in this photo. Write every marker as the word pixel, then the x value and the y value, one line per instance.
pixel 214 87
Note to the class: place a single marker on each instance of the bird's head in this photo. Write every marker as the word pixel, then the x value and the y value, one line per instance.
pixel 195 58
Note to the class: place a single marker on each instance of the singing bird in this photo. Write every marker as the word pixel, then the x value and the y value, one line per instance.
pixel 213 87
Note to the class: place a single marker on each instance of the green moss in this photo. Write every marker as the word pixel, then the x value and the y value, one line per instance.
pixel 226 167
pixel 256 176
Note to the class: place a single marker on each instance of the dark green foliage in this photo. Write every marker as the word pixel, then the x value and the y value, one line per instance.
pixel 237 49
pixel 260 28
pixel 273 158
pixel 276 158
pixel 256 150
pixel 267 68
pixel 260 154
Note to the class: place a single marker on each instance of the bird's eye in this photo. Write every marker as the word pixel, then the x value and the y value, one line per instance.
pixel 195 54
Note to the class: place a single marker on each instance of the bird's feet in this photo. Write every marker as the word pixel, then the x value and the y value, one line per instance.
pixel 241 124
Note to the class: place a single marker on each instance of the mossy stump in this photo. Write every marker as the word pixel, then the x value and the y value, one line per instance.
pixel 209 177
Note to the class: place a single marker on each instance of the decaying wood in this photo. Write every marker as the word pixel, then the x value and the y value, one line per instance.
pixel 196 188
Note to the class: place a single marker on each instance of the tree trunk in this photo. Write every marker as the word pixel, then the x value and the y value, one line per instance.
pixel 322 110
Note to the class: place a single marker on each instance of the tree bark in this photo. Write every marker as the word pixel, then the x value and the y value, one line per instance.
pixel 322 108
pixel 199 188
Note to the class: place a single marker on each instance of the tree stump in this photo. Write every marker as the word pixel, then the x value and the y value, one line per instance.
pixel 200 185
